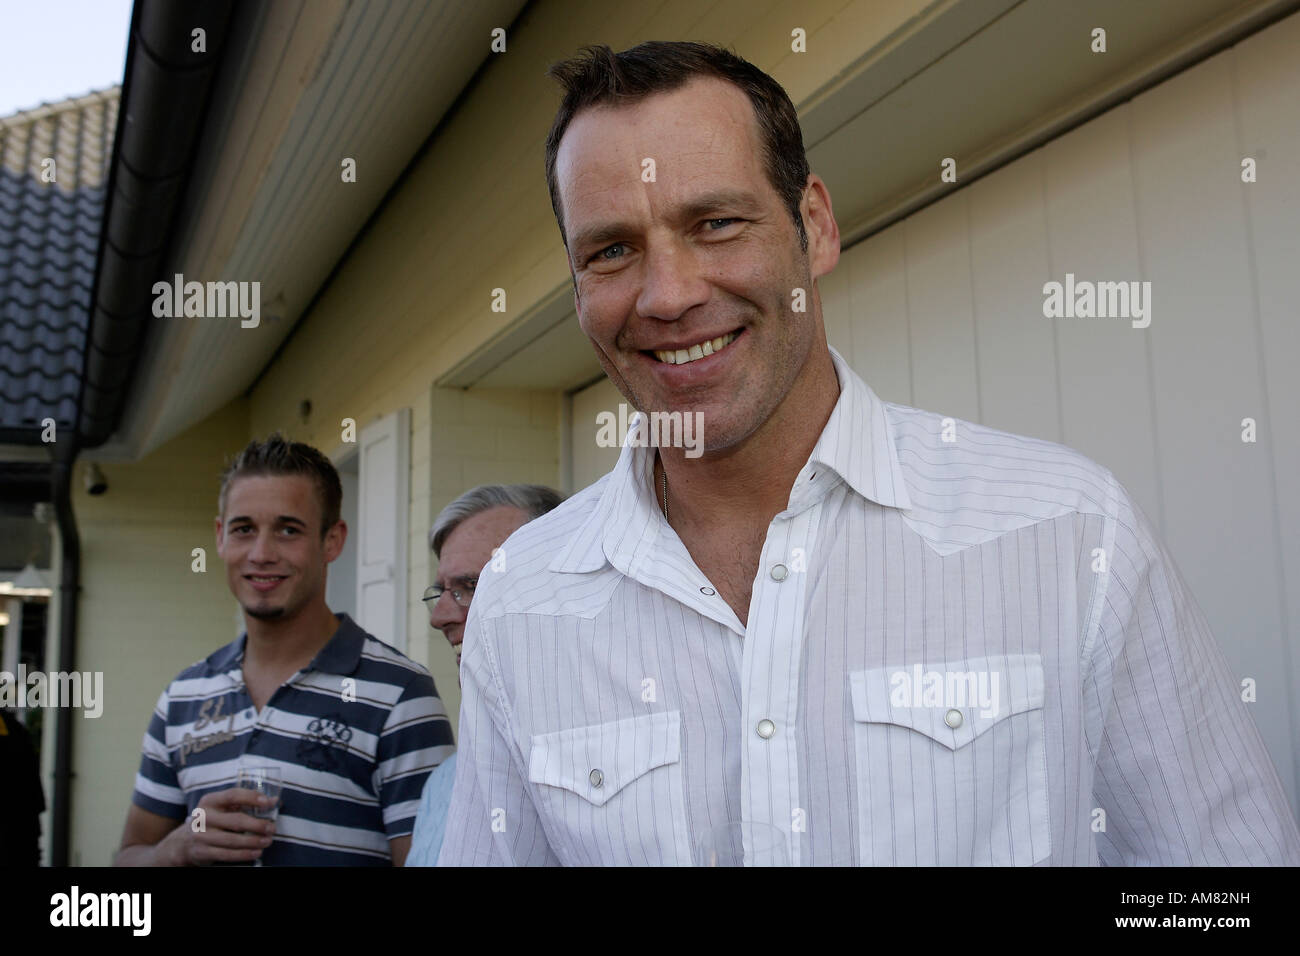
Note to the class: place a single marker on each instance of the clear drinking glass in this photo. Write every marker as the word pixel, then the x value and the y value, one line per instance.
pixel 266 782
pixel 746 843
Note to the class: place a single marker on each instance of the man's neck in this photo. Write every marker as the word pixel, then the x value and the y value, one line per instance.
pixel 289 644
pixel 751 482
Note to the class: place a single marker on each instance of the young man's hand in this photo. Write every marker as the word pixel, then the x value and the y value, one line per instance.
pixel 222 833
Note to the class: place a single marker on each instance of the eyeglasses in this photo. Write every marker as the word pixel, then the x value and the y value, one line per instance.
pixel 462 595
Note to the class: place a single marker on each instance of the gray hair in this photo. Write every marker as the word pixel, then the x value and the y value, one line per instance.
pixel 532 500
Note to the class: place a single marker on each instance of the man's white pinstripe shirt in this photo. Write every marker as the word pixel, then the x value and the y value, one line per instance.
pixel 968 651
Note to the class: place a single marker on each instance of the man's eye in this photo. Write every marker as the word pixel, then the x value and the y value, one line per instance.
pixel 604 254
pixel 724 222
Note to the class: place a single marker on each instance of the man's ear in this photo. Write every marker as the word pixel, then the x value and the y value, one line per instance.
pixel 823 230
pixel 217 529
pixel 335 538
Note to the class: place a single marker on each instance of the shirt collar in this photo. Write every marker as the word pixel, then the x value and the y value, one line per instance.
pixel 341 655
pixel 857 443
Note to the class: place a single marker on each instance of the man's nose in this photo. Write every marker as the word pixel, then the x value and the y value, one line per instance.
pixel 445 611
pixel 671 281
pixel 263 550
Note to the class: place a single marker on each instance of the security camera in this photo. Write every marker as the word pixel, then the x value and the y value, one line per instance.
pixel 96 483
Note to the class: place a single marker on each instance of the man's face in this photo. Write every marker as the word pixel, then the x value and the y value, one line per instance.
pixel 464 554
pixel 707 250
pixel 271 543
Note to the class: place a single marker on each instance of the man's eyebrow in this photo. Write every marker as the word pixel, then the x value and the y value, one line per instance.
pixel 729 200
pixel 282 519
pixel 462 579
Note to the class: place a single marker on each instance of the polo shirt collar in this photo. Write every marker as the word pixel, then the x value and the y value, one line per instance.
pixel 341 655
pixel 857 443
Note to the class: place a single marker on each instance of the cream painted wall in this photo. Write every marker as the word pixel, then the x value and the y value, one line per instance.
pixel 413 298
pixel 144 614
pixel 477 436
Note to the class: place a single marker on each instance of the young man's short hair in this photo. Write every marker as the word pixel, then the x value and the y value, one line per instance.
pixel 278 455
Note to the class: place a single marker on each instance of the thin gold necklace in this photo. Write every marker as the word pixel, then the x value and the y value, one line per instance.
pixel 665 486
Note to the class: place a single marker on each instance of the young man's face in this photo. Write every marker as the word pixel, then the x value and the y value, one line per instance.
pixel 271 543
pixel 706 250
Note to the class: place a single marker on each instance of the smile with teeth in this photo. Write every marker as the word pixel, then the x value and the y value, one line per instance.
pixel 696 352
pixel 265 580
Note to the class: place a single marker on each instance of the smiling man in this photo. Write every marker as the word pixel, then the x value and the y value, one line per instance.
pixel 696 642
pixel 351 724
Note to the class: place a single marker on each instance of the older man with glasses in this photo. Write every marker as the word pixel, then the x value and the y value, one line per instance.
pixel 464 539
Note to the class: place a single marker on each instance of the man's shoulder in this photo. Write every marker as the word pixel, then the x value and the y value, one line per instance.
pixel 519 576
pixel 204 676
pixel 381 662
pixel 394 661
pixel 960 473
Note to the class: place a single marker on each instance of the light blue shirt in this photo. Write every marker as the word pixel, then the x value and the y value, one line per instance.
pixel 426 841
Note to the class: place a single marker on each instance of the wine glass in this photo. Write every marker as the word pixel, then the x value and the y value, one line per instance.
pixel 743 843
pixel 266 782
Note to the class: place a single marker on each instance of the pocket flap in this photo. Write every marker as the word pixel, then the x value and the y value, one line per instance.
pixel 981 690
pixel 597 762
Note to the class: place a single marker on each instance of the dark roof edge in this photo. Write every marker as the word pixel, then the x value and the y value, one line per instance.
pixel 166 91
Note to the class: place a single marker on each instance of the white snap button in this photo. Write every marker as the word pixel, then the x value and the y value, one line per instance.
pixel 708 591
pixel 779 571
pixel 766 728
pixel 953 718
pixel 597 778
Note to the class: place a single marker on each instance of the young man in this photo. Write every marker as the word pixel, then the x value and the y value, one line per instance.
pixel 353 726
pixel 463 538
pixel 881 645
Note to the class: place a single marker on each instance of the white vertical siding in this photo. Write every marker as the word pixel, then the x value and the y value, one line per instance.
pixel 1149 191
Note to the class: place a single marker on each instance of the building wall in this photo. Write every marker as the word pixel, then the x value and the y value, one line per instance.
pixel 144 614
pixel 944 311
pixel 483 436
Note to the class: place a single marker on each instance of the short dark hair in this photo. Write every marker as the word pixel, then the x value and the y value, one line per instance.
pixel 599 76
pixel 280 456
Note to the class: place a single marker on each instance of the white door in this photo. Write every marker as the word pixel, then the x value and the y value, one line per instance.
pixel 383 505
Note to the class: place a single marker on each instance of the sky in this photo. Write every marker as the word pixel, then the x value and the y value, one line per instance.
pixel 52 50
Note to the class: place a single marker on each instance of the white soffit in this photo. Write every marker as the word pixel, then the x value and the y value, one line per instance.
pixel 982 81
pixel 1025 78
pixel 323 80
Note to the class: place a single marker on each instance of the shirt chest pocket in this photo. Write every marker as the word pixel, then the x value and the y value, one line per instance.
pixel 612 794
pixel 952 763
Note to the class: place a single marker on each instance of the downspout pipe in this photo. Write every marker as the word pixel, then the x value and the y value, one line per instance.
pixel 65 457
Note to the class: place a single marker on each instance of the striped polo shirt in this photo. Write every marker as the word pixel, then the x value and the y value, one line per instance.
pixel 354 735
